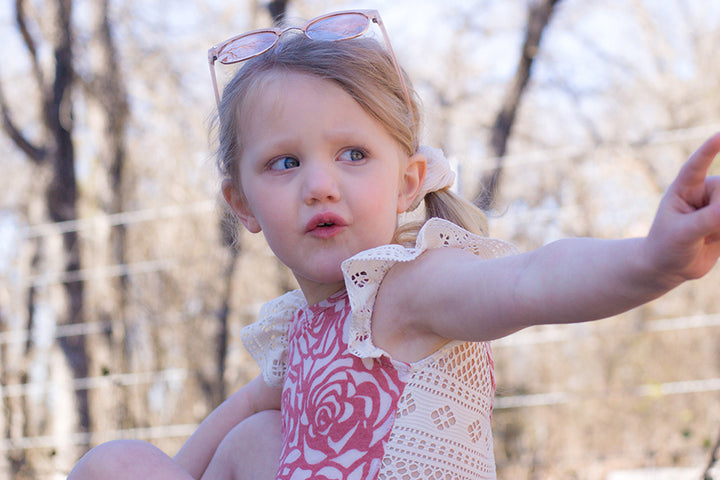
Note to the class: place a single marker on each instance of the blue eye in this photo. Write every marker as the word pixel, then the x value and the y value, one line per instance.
pixel 353 155
pixel 284 163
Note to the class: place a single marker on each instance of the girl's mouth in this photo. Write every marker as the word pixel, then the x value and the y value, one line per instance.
pixel 325 225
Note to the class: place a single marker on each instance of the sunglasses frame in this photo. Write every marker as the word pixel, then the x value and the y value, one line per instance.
pixel 371 15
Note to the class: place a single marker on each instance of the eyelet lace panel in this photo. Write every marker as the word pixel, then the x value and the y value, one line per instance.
pixel 442 426
pixel 266 340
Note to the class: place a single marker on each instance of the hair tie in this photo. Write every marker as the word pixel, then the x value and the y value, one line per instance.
pixel 438 174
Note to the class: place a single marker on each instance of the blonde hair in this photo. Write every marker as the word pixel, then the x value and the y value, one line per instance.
pixel 363 69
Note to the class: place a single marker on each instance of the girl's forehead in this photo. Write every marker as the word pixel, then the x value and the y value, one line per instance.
pixel 273 86
pixel 270 91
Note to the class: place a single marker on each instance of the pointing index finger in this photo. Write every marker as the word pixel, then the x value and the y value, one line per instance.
pixel 695 169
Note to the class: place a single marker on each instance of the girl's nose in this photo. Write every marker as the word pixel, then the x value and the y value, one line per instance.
pixel 320 185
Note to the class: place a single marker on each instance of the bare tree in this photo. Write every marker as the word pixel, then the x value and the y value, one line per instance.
pixel 106 85
pixel 55 152
pixel 51 149
pixel 103 83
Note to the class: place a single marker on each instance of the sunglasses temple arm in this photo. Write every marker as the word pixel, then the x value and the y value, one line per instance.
pixel 211 63
pixel 395 61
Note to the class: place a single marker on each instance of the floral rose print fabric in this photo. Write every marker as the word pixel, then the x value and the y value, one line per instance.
pixel 337 409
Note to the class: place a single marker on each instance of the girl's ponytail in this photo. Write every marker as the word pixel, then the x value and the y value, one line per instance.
pixel 449 206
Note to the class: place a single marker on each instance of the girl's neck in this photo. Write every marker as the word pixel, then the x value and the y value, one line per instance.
pixel 315 293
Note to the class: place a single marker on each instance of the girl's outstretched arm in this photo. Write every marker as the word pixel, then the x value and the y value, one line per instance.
pixel 451 294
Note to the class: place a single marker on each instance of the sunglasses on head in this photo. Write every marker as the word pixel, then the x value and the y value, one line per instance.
pixel 334 27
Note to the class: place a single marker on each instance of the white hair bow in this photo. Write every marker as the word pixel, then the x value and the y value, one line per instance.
pixel 438 175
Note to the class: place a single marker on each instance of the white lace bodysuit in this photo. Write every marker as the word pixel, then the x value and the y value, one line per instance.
pixel 350 411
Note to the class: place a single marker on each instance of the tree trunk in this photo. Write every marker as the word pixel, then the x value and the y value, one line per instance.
pixel 105 85
pixel 62 195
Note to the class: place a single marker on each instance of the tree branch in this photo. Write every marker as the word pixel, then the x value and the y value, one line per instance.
pixel 538 18
pixel 34 153
pixel 20 19
pixel 62 193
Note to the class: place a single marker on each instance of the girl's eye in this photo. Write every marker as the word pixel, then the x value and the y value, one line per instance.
pixel 284 163
pixel 352 155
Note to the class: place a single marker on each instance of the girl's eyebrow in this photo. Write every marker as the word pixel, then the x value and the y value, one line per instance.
pixel 342 134
pixel 278 142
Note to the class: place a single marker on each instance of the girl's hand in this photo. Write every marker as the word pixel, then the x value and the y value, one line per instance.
pixel 684 240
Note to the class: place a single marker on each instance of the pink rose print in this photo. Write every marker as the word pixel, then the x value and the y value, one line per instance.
pixel 338 409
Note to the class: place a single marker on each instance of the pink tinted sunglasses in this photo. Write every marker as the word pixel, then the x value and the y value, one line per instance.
pixel 335 26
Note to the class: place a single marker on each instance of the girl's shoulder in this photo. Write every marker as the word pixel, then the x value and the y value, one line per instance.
pixel 365 272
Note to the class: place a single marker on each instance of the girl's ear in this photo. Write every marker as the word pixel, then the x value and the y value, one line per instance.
pixel 411 181
pixel 236 200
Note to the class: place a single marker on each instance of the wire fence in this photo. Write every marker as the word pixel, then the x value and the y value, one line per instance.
pixel 177 376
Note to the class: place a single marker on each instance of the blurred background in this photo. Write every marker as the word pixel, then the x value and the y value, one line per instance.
pixel 123 285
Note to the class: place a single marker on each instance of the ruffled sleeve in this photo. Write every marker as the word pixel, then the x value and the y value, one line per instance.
pixel 267 339
pixel 365 271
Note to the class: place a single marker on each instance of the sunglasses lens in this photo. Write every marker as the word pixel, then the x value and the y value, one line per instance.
pixel 246 47
pixel 338 27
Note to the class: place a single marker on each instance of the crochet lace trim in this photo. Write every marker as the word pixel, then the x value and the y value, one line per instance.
pixel 267 339
pixel 365 271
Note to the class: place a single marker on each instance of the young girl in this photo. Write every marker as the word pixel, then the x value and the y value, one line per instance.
pixel 379 366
